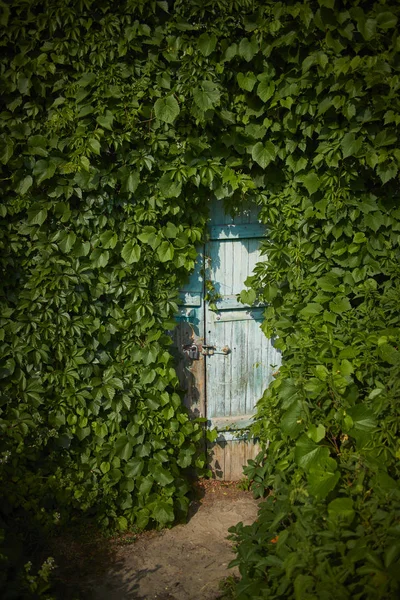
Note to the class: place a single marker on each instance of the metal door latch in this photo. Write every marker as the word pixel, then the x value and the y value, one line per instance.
pixel 192 351
pixel 210 349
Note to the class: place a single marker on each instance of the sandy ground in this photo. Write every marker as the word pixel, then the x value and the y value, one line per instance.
pixel 186 562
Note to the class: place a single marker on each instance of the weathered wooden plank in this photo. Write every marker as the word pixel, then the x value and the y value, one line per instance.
pixel 227 459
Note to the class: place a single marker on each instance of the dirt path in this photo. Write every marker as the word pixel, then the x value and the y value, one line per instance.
pixel 186 562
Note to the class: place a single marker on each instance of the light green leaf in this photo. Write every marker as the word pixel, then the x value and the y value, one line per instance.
pixel 375 393
pixel 311 309
pixel 149 236
pixel 206 96
pixel 131 252
pixel 311 182
pixel 109 239
pixel 163 513
pixel 316 433
pixel 66 241
pixel 263 154
pixel 94 145
pixel 105 467
pixel 167 109
pixel 170 230
pixel 359 238
pixel 165 251
pixel 265 90
pixel 247 49
pixel 346 368
pixel 207 43
pixel 246 81
pixel 340 305
pixel 321 372
pixel 350 145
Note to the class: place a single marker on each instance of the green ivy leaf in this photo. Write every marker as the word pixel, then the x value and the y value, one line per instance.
pixel 66 241
pixel 341 509
pixel 165 251
pixel 350 145
pixel 386 20
pixel 248 49
pixel 265 90
pixel 167 109
pixel 163 513
pixel 246 81
pixel 24 185
pixel 105 467
pixel 123 447
pixel 309 455
pixel 37 215
pixel 170 230
pixel 206 96
pixel 6 149
pixel 168 187
pixel 367 28
pixel 94 145
pixel 263 154
pixel 312 309
pixel 149 236
pixel 131 252
pixel 311 181
pixel 316 434
pixel 340 305
pixel 162 476
pixel 131 182
pixel 109 239
pixel 207 43
pixel 106 120
pixel 322 482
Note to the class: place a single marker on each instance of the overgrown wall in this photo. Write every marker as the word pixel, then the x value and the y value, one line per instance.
pixel 119 122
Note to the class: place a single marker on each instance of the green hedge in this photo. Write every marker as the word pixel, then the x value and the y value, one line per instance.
pixel 119 122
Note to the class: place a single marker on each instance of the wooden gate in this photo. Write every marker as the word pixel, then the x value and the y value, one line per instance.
pixel 226 362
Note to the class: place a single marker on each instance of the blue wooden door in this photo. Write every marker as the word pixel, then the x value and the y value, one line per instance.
pixel 236 360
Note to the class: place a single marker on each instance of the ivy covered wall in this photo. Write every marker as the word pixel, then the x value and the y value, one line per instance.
pixel 120 121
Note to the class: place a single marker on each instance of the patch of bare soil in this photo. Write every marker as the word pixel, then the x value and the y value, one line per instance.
pixel 186 562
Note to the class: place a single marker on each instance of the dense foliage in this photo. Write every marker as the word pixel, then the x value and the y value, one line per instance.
pixel 119 121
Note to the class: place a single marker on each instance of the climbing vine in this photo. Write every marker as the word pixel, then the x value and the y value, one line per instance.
pixel 119 122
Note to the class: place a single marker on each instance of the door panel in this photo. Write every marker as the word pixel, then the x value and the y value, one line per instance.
pixel 225 385
pixel 235 381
